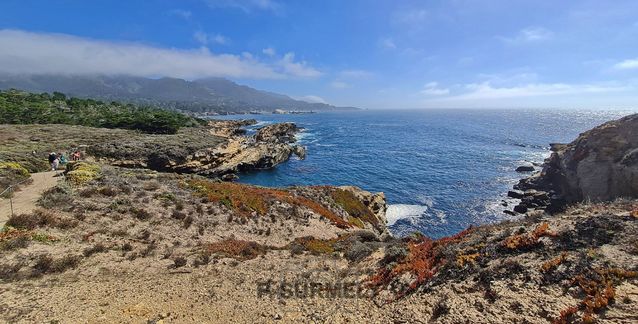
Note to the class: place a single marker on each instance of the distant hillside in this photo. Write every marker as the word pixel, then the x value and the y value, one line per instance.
pixel 206 95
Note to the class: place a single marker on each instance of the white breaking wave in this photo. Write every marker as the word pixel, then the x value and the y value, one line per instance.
pixel 262 123
pixel 401 211
pixel 306 137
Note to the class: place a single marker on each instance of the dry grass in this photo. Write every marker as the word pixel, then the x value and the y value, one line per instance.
pixel 238 249
pixel 41 218
pixel 13 238
pixel 46 264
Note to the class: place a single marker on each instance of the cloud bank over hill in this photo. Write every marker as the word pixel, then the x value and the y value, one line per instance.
pixel 24 52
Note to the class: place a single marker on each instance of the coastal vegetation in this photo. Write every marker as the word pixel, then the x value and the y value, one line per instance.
pixel 19 107
pixel 12 173
pixel 138 218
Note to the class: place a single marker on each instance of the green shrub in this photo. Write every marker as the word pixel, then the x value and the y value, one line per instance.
pixel 80 173
pixel 18 107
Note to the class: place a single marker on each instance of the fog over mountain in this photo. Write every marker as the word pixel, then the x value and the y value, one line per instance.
pixel 217 95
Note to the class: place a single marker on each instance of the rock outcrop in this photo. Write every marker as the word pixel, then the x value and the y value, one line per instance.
pixel 600 165
pixel 277 133
pixel 233 152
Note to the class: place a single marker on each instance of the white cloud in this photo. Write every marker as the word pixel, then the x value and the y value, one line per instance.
pixel 247 5
pixel 529 35
pixel 487 95
pixel 42 53
pixel 269 51
pixel 516 76
pixel 206 39
pixel 433 89
pixel 298 69
pixel 485 90
pixel 355 74
pixel 219 39
pixel 387 43
pixel 339 85
pixel 312 99
pixel 627 64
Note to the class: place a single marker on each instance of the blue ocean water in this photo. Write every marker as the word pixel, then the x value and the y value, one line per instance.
pixel 441 170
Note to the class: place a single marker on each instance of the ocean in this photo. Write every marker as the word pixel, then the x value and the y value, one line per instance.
pixel 441 170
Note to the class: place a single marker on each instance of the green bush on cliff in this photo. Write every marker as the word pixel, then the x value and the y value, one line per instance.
pixel 18 107
pixel 358 212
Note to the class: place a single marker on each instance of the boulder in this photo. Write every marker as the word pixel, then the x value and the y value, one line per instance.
pixel 525 168
pixel 277 133
pixel 520 208
pixel 516 194
pixel 229 177
pixel 299 151
pixel 509 212
pixel 530 192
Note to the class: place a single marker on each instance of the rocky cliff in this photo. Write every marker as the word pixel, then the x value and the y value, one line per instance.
pixel 271 145
pixel 600 165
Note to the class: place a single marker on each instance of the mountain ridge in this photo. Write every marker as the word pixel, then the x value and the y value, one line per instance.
pixel 208 95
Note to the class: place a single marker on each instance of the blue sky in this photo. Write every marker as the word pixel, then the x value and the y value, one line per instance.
pixel 373 54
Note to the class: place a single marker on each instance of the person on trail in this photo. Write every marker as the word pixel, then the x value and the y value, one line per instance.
pixel 75 156
pixel 63 159
pixel 53 160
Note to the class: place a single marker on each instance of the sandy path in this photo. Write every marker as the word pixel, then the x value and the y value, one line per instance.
pixel 24 200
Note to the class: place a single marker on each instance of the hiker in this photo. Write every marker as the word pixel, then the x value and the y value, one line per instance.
pixel 63 159
pixel 75 156
pixel 53 159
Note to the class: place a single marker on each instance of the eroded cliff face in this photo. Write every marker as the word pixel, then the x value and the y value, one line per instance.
pixel 271 145
pixel 600 165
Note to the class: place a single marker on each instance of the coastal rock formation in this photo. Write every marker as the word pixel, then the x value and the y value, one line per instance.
pixel 271 145
pixel 600 165
pixel 237 152
pixel 277 133
pixel 375 202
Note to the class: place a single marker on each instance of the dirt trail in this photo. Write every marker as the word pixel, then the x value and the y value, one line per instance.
pixel 24 200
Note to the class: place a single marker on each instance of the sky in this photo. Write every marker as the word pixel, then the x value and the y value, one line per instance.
pixel 369 54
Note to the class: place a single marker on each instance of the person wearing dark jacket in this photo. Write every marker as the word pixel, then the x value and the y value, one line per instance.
pixel 54 161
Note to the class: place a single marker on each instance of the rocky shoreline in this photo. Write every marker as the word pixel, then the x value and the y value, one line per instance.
pixel 271 145
pixel 600 165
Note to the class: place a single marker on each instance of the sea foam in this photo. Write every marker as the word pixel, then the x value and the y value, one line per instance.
pixel 401 211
